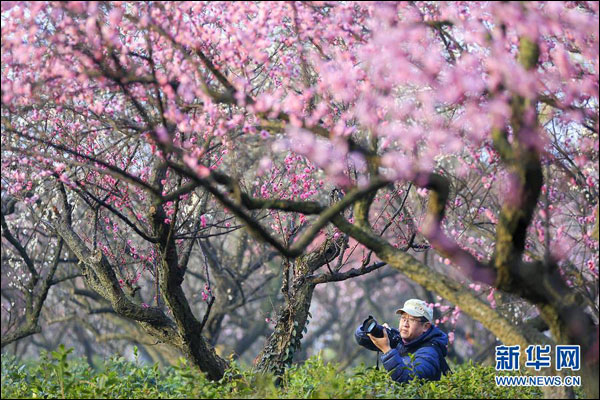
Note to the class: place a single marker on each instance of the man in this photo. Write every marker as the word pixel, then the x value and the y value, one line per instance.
pixel 418 336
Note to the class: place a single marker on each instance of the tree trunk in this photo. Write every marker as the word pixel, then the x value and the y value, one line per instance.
pixel 180 331
pixel 284 342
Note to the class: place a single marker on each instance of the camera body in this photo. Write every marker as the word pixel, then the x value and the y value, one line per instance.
pixel 370 325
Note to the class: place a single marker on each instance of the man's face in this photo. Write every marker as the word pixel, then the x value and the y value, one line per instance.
pixel 411 327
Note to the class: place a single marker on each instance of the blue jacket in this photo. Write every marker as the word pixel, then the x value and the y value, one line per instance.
pixel 428 350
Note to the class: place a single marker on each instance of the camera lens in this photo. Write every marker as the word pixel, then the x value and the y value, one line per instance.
pixel 371 326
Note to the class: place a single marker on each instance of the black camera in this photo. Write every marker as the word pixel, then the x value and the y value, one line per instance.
pixel 371 326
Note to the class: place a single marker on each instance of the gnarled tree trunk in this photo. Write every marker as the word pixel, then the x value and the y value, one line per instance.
pixel 182 330
pixel 292 320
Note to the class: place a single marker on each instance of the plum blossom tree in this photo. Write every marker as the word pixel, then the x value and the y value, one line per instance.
pixel 124 114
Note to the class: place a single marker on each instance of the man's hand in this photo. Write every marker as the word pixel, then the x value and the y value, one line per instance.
pixel 383 343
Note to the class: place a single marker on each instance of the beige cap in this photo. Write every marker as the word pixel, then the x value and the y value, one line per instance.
pixel 417 308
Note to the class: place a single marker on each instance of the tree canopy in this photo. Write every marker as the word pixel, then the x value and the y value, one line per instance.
pixel 139 136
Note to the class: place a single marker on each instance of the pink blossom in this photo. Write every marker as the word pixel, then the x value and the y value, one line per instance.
pixel 490 215
pixel 491 298
pixel 59 168
pixel 114 16
pixel 162 134
pixel 264 165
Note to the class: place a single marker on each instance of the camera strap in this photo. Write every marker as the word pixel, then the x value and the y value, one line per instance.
pixel 377 367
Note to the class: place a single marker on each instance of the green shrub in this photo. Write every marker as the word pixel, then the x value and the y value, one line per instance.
pixel 54 375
